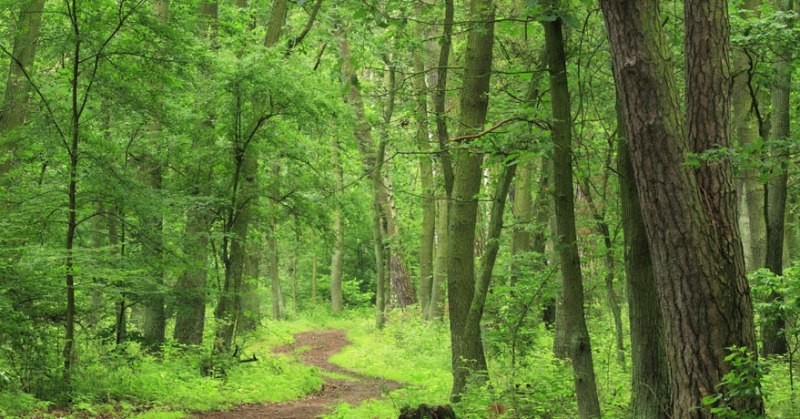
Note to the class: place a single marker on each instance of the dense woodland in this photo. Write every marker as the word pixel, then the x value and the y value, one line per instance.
pixel 528 208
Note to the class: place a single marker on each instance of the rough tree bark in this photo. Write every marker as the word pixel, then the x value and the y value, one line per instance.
pixel 650 395
pixel 698 261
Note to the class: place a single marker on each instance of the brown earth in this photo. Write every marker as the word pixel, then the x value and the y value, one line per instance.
pixel 314 348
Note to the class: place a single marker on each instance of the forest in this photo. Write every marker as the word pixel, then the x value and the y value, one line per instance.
pixel 399 208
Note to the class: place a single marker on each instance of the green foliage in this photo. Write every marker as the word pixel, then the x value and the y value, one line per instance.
pixel 741 382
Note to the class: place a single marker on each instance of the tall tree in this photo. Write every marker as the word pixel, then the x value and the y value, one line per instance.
pixel 776 188
pixel 427 236
pixel 467 353
pixel 579 348
pixel 689 214
pixel 244 196
pixel 190 289
pixel 150 167
pixel 439 98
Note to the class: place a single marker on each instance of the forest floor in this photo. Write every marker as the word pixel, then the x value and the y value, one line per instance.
pixel 340 386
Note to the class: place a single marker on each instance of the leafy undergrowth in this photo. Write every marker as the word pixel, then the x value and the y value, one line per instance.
pixel 408 350
pixel 417 353
pixel 129 383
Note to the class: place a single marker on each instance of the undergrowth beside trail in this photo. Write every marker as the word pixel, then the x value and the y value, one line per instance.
pixel 129 383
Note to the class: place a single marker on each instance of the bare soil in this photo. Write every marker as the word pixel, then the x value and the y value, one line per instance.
pixel 314 348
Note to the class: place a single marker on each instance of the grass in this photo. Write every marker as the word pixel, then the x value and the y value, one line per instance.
pixel 408 350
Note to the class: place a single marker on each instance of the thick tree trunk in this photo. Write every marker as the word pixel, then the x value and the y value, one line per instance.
pixel 697 254
pixel 190 292
pixel 155 317
pixel 467 352
pixel 578 344
pixel 650 396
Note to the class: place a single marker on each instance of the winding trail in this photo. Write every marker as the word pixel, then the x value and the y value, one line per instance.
pixel 321 345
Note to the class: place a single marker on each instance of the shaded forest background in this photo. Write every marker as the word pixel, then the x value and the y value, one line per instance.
pixel 534 182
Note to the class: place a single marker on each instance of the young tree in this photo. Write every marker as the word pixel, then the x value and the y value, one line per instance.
pixel 579 348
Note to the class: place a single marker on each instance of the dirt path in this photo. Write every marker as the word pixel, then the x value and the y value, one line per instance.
pixel 320 345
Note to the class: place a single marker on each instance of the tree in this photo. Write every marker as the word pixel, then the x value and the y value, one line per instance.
pixel 689 213
pixel 579 348
pixel 467 352
pixel 650 396
pixel 775 342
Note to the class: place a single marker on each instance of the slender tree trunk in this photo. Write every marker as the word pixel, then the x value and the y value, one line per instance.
pixel 602 228
pixel 337 259
pixel 472 327
pixel 650 396
pixel 467 352
pixel 578 342
pixel 380 248
pixel 438 290
pixel 439 96
pixel 426 251
pixel 314 280
pixel 274 268
pixel 775 213
pixel 746 132
pixel 689 214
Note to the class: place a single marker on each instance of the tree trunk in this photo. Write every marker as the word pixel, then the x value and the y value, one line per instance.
pixel 426 180
pixel 155 316
pixel 380 247
pixel 578 344
pixel 746 132
pixel 337 258
pixel 697 254
pixel 467 352
pixel 190 292
pixel 439 96
pixel 274 268
pixel 775 214
pixel 650 396
pixel 438 290
pixel 15 101
pixel 243 199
